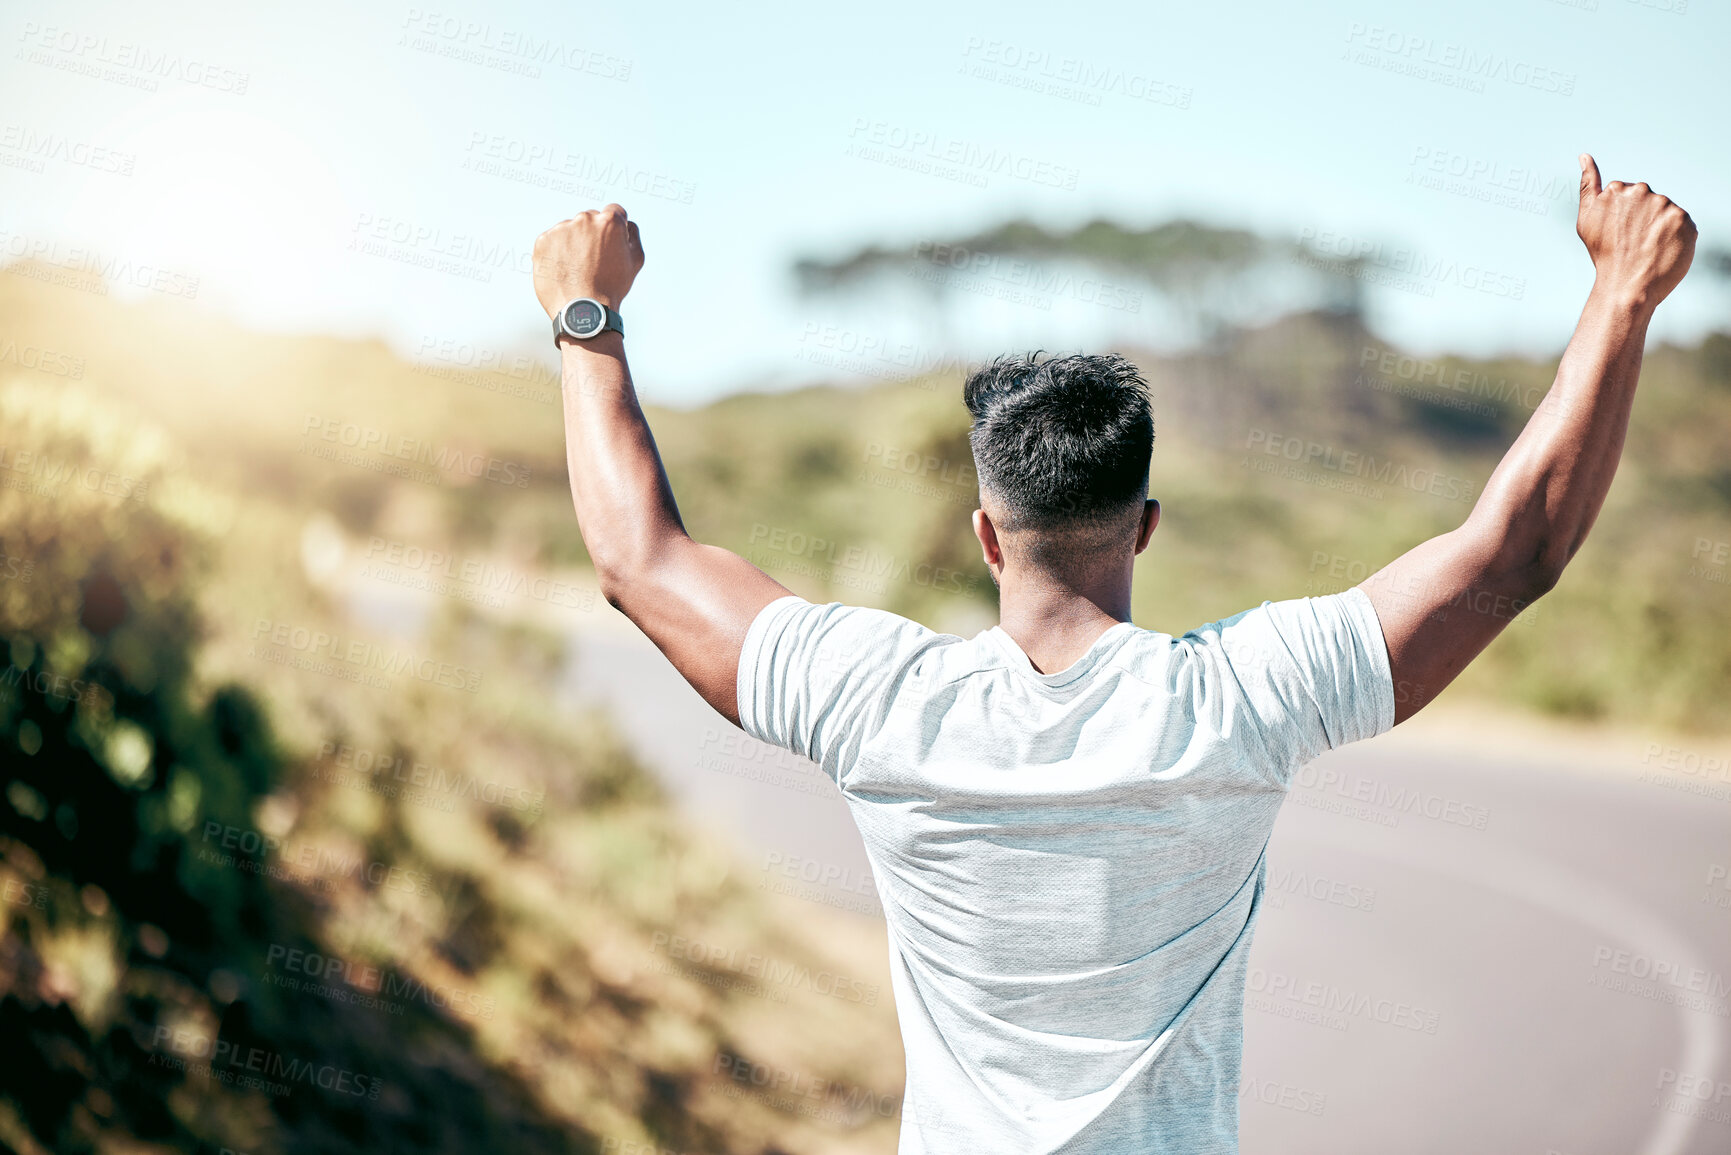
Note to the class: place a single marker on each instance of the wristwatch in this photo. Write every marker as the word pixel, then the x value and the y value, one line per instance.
pixel 584 318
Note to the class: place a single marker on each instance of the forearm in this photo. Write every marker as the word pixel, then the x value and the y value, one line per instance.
pixel 625 507
pixel 1539 504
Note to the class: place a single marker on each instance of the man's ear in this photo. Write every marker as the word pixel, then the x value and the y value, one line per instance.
pixel 1150 519
pixel 988 535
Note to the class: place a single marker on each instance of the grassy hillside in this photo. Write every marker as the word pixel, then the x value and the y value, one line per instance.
pixel 379 892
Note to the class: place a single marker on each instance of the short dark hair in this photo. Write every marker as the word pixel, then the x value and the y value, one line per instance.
pixel 1063 442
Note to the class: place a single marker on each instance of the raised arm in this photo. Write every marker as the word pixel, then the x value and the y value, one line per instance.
pixel 1444 601
pixel 694 601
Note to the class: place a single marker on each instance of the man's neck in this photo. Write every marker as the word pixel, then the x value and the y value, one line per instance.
pixel 1055 621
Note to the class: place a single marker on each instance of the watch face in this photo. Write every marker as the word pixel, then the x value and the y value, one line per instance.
pixel 584 318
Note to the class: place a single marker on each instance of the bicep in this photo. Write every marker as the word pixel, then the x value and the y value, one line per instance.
pixel 1441 603
pixel 696 602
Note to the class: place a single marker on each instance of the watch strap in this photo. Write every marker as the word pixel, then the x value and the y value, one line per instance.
pixel 614 323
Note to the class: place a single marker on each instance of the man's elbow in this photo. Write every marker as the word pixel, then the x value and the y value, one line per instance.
pixel 1541 582
pixel 616 576
pixel 1540 576
pixel 622 572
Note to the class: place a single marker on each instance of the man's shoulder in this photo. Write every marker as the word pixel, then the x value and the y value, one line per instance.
pixel 843 637
pixel 797 612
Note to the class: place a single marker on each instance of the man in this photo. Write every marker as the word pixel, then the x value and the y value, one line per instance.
pixel 1066 815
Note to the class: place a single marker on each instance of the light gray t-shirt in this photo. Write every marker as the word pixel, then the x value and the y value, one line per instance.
pixel 1070 864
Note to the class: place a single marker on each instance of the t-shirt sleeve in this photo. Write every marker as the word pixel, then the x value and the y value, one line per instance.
pixel 1311 673
pixel 820 679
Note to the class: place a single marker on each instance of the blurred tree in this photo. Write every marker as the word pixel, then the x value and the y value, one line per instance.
pixel 1202 271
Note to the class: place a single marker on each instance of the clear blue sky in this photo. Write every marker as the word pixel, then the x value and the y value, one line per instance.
pixel 276 139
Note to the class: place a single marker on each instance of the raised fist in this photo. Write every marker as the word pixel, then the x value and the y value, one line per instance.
pixel 1641 243
pixel 596 254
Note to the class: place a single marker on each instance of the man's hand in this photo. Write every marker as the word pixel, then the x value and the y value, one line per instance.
pixel 1641 243
pixel 595 254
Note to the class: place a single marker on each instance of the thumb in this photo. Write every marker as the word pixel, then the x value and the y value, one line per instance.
pixel 1590 185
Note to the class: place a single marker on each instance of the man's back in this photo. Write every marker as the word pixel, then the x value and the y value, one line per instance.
pixel 1070 863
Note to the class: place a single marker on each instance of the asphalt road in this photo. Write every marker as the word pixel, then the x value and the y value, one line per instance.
pixel 1485 953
